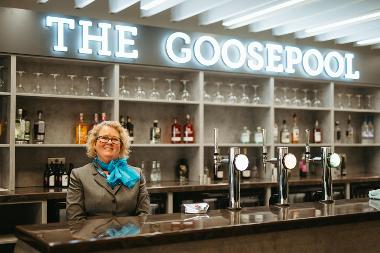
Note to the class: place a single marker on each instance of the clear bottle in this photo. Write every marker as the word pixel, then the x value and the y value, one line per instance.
pixel 349 131
pixel 188 131
pixel 284 134
pixel 245 136
pixel 317 133
pixel 258 135
pixel 81 131
pixel 295 131
pixel 28 127
pixel 365 132
pixel 176 132
pixel 158 171
pixel 275 133
pixel 338 132
pixel 19 127
pixel 371 131
pixel 155 133
pixel 130 128
pixel 39 129
pixel 153 172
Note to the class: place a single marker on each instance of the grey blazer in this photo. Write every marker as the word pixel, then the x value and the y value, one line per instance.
pixel 90 195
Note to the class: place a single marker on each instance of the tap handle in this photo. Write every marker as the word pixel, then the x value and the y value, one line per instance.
pixel 334 160
pixel 307 137
pixel 264 132
pixel 289 161
pixel 216 149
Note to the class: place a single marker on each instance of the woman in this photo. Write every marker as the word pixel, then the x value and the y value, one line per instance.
pixel 107 186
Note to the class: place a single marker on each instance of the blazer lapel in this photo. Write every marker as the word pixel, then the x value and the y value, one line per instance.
pixel 117 187
pixel 102 181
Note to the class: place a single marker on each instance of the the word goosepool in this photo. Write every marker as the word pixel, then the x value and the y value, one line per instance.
pixel 262 57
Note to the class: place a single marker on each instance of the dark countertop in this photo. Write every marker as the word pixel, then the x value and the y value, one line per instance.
pixel 128 232
pixel 41 193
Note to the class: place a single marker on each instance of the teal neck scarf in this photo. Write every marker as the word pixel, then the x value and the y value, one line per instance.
pixel 119 172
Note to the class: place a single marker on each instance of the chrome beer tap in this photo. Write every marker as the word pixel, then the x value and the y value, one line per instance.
pixel 236 163
pixel 284 162
pixel 329 160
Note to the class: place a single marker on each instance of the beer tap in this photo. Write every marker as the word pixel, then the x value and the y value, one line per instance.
pixel 284 162
pixel 236 163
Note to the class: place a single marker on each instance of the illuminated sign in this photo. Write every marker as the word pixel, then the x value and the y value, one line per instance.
pixel 118 42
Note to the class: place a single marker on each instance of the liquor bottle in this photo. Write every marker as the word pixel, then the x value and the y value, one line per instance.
pixel 303 167
pixel 104 116
pixel 27 129
pixel 153 172
pixel 365 132
pixel 295 131
pixel 343 170
pixel 371 131
pixel 258 137
pixel 349 131
pixel 338 133
pixel 188 131
pixel 39 129
pixel 81 131
pixel 219 174
pixel 51 175
pixel 284 134
pixel 317 133
pixel 245 136
pixel 95 121
pixel 176 132
pixel 158 171
pixel 155 133
pixel 182 170
pixel 19 128
pixel 130 127
pixel 275 133
pixel 246 174
pixel 64 177
pixel 58 174
pixel 123 123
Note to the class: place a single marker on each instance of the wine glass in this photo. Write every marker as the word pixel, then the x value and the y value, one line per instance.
pixel 359 98
pixel 244 99
pixel 140 93
pixel 349 105
pixel 72 90
pixel 285 99
pixel 369 101
pixel 277 98
pixel 170 95
pixel 316 101
pixel 37 88
pixel 185 95
pixel 295 100
pixel 89 91
pixel 306 101
pixel 55 87
pixel 124 92
pixel 231 98
pixel 154 93
pixel 20 87
pixel 340 101
pixel 206 96
pixel 2 81
pixel 256 98
pixel 103 92
pixel 218 97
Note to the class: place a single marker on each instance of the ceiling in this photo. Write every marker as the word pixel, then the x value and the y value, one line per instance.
pixel 342 22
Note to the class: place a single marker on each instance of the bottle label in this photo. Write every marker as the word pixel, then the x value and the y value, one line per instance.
pixel 317 137
pixel 51 181
pixel 285 137
pixel 41 127
pixel 65 180
pixel 188 139
pixel 244 138
pixel 219 174
pixel 295 135
pixel 258 138
pixel 176 139
pixel 246 173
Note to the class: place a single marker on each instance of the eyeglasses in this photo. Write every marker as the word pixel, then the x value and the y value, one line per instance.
pixel 106 139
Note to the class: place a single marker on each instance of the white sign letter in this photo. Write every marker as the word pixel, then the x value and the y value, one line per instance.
pixel 306 63
pixel 60 32
pixel 290 60
pixel 86 37
pixel 185 51
pixel 349 74
pixel 126 42
pixel 273 58
pixel 252 52
pixel 340 60
pixel 242 53
pixel 215 46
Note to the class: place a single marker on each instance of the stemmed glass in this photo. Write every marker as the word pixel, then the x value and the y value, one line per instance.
pixel 170 95
pixel 369 101
pixel 2 81
pixel 316 101
pixel 218 97
pixel 72 90
pixel 295 100
pixel 37 89
pixel 103 92
pixel 55 87
pixel 359 104
pixel 154 93
pixel 232 99
pixel 20 88
pixel 89 91
pixel 140 93
pixel 277 98
pixel 340 101
pixel 206 96
pixel 256 98
pixel 306 101
pixel 244 97
pixel 285 99
pixel 185 95
pixel 349 105
pixel 124 92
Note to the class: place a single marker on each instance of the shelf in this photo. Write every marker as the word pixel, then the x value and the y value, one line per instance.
pixel 4 145
pixel 248 145
pixel 164 145
pixel 50 145
pixel 8 239
pixel 64 96
pixel 357 145
pixel 302 145
pixel 357 110
pixel 302 108
pixel 162 101
pixel 5 93
pixel 237 105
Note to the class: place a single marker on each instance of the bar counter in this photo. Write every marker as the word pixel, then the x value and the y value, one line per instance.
pixel 343 226
pixel 41 193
